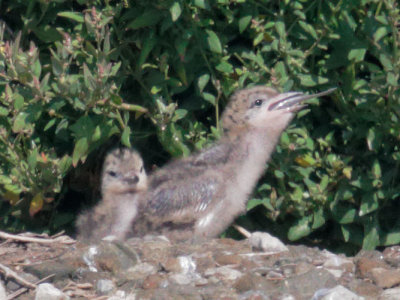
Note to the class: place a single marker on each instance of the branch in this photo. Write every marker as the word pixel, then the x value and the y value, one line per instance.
pixel 61 239
pixel 10 273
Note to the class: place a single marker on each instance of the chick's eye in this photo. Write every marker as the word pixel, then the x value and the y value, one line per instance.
pixel 112 173
pixel 258 102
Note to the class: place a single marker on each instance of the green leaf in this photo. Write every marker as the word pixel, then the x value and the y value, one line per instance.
pixel 76 16
pixel 148 18
pixel 224 67
pixel 96 134
pixel 49 124
pixel 202 81
pixel 280 28
pixel 3 111
pixel 369 203
pixel 309 29
pixel 90 81
pixel 386 61
pixel 32 159
pixel 312 80
pixel 65 164
pixel 201 3
pixel 125 137
pixel 179 114
pixel 301 229
pixel 376 169
pixel 36 204
pixel 83 127
pixel 254 202
pixel 244 22
pixel 391 238
pixel 318 219
pixel 21 123
pixel 209 97
pixel 279 174
pixel 37 68
pixel 357 55
pixel 380 33
pixel 213 42
pixel 175 11
pixel 80 151
pixel 18 101
pixel 371 233
pixel 148 45
pixel 352 233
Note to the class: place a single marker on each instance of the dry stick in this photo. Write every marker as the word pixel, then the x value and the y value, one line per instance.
pixel 241 230
pixel 61 239
pixel 10 273
pixel 23 290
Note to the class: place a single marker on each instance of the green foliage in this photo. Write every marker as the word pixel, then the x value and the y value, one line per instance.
pixel 82 71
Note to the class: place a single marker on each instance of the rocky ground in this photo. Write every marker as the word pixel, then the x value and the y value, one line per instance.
pixel 153 268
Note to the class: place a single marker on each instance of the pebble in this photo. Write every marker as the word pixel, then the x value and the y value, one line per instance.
pixel 3 294
pixel 223 273
pixel 339 292
pixel 390 294
pixel 49 292
pixel 265 242
pixel 385 278
pixel 104 286
pixel 141 271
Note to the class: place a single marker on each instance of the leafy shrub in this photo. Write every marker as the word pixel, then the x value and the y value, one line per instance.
pixel 172 65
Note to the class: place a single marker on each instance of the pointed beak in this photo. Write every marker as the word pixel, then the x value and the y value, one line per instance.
pixel 291 100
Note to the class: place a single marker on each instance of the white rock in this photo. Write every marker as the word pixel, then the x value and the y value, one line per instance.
pixel 337 262
pixel 390 294
pixel 339 292
pixel 265 242
pixel 104 286
pixel 3 294
pixel 224 273
pixel 181 279
pixel 336 273
pixel 47 291
pixel 187 264
pixel 141 271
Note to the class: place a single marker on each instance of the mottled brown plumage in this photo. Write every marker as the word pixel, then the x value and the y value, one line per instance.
pixel 123 180
pixel 200 196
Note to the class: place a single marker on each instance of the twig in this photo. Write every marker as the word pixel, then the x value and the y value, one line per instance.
pixel 61 239
pixel 10 273
pixel 243 231
pixel 23 290
pixel 58 234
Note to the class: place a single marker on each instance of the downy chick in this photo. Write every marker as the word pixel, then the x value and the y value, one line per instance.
pixel 123 180
pixel 200 196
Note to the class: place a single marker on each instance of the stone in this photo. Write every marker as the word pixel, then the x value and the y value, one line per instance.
pixel 339 292
pixel 181 279
pixel 385 278
pixel 187 264
pixel 265 242
pixel 49 292
pixel 140 271
pixel 228 259
pixel 364 266
pixel 339 263
pixel 223 273
pixel 392 256
pixel 104 286
pixel 3 294
pixel 390 294
pixel 152 281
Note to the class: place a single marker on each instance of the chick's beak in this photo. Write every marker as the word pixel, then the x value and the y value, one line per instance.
pixel 291 100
